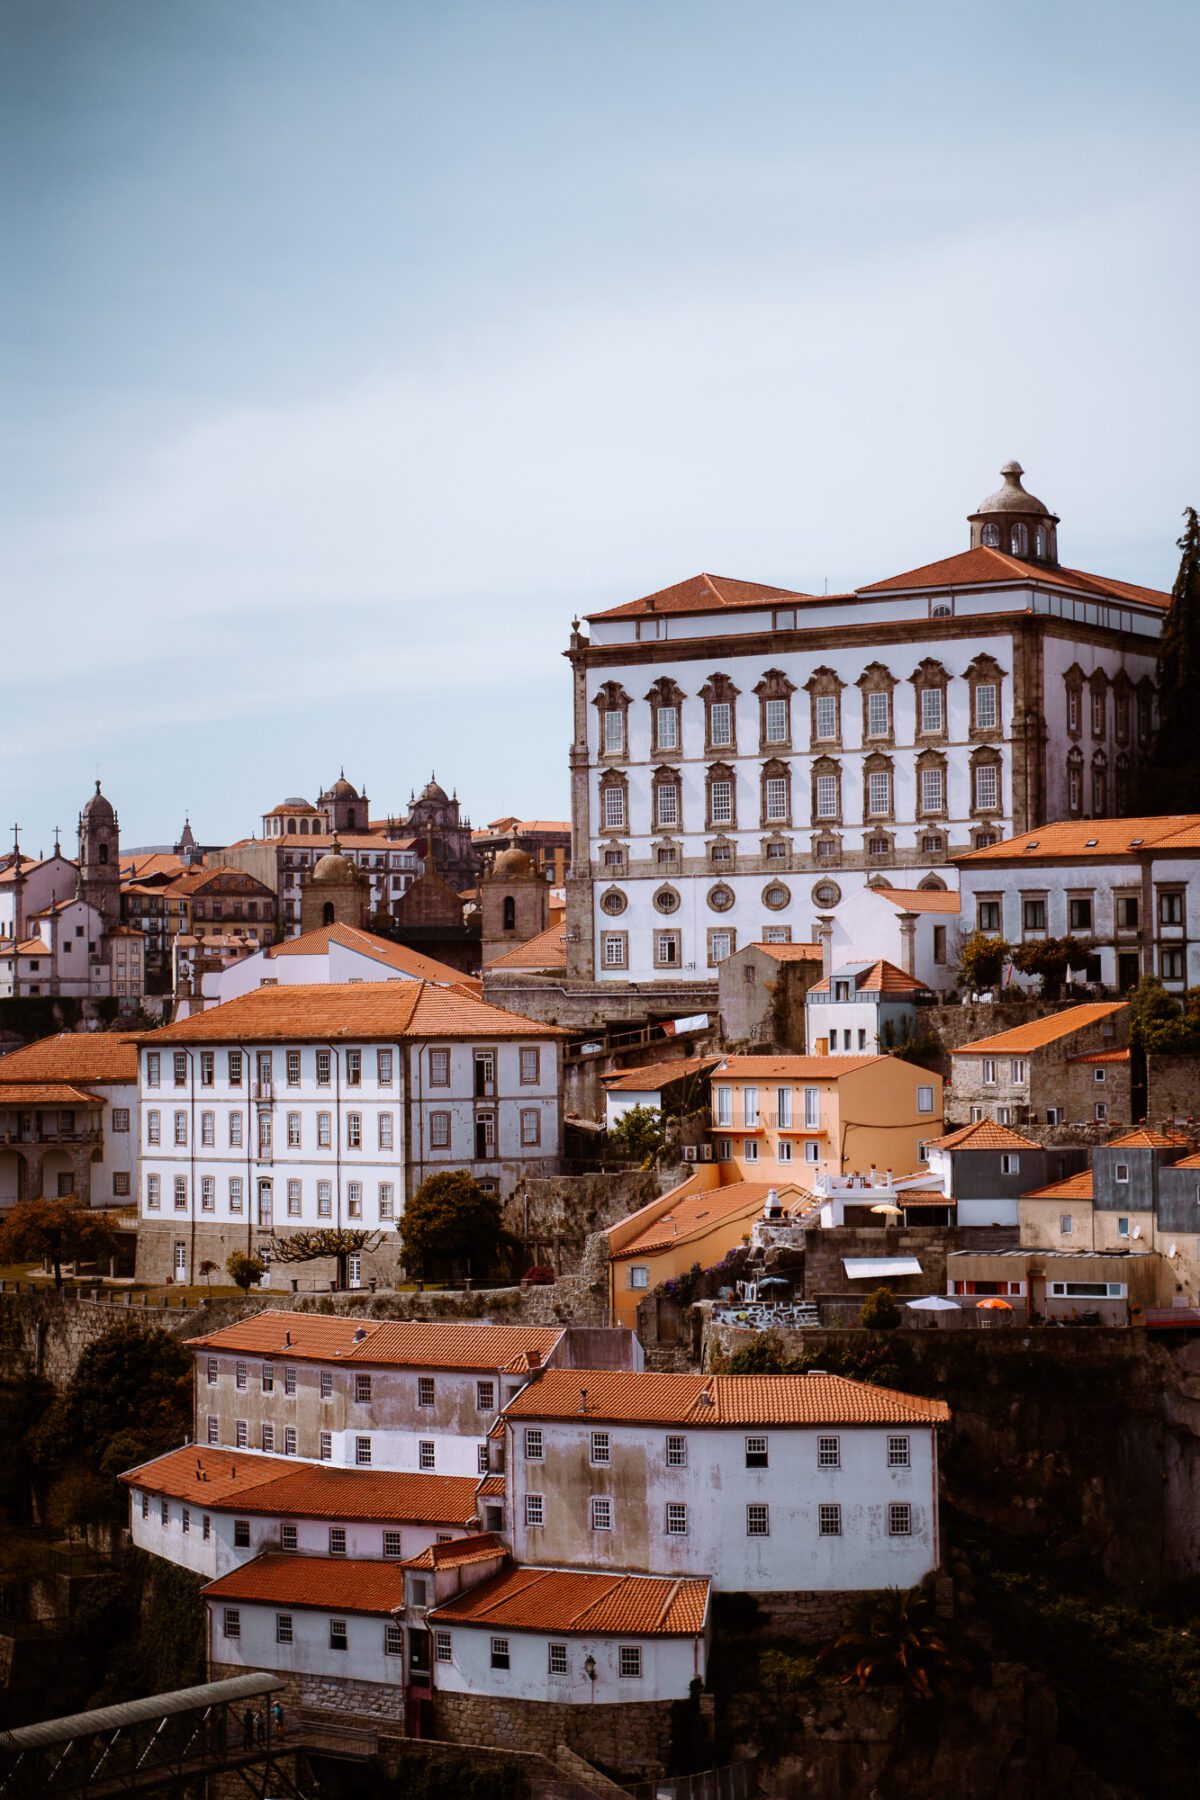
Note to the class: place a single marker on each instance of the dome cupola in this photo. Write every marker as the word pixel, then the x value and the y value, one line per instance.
pixel 1016 522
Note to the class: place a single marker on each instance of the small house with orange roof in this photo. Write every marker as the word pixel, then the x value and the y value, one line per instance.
pixel 917 928
pixel 984 1168
pixel 1068 1067
pixel 332 953
pixel 864 1007
pixel 761 990
pixel 677 1086
pixel 1128 887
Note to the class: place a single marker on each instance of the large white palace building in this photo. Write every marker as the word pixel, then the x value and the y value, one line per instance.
pixel 745 757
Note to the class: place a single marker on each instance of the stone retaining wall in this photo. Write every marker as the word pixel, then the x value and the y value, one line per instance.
pixel 633 1738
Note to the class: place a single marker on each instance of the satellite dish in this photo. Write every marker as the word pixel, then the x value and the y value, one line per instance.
pixel 1137 1231
pixel 1173 1251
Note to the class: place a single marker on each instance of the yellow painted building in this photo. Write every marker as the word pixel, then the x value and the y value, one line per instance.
pixel 779 1119
pixel 697 1222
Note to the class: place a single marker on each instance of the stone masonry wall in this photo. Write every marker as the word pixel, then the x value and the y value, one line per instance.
pixel 632 1739
pixel 353 1702
pixel 556 1215
pixel 1172 1087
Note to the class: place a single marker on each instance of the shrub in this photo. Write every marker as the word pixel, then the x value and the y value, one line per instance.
pixel 451 1224
pixel 639 1133
pixel 880 1311
pixel 245 1270
pixel 981 962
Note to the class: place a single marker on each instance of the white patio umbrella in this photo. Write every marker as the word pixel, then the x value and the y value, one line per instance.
pixel 885 1206
pixel 933 1303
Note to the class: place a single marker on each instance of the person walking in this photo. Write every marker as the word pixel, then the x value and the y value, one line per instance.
pixel 277 1718
pixel 247 1730
pixel 260 1727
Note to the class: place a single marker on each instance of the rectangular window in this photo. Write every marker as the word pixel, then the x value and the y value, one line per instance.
pixel 601 1447
pixel 1170 964
pixel 393 1640
pixel 208 1129
pixel 383 1067
pixel 987 787
pixel 153 1193
pixel 354 1068
pixel 614 731
pixel 531 1059
pixel 289 1440
pixel 829 1453
pixel 1010 1163
pixel 1066 1224
pixel 235 1131
pixel 535 1509
pixel 931 709
pixel 557 1659
pixel 205 1527
pixel 241 1534
pixel 986 709
pixel 439 1068
pixel 235 1193
pixel 1128 913
pixel 987 915
pixel 441 1646
pixel 208 1193
pixel 531 1126
pixel 283 1628
pixel 879 792
pixel 756 1453
pixel 1079 915
pixel 268 1438
pixel 666 804
pixel 294 1199
pixel 933 790
pixel 120 1118
pixel 362 1389
pixel 827 796
pixel 600 1512
pixel 758 1520
pixel 775 722
pixel 233 1066
pixel 677 1453
pixel 354 1131
pixel 898 1453
pixel 485 1396
pixel 425 1390
pixel 666 949
pixel 326 1384
pixel 393 1543
pixel 325 1446
pixel 750 1105
pixel 829 1519
pixel 899 1519
pixel 630 1662
pixel 924 1099
pixel 534 1447
pixel 293 1130
pixel 878 714
pixel 186 1520
pixel 425 1453
pixel 827 720
pixel 181 1193
pixel 720 801
pixel 337 1634
pixel 324 1199
pixel 387 1200
pixel 812 1109
pixel 776 799
pixel 153 1076
pixel 1170 908
pixel 153 1127
pixel 677 1519
pixel 720 724
pixel 614 808
pixel 181 1068
pixel 232 1622
pixel 362 1452
pixel 500 1659
pixel 293 1068
pixel 1033 915
pixel 337 1540
pixel 324 1064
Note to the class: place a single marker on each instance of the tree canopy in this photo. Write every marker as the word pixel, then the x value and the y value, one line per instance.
pixel 1158 1022
pixel 639 1132
pixel 1172 782
pixel 56 1231
pixel 451 1225
pixel 310 1246
pixel 245 1270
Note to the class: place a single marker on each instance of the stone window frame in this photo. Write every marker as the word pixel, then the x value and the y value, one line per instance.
pixel 834 839
pixel 666 842
pixel 927 760
pixel 994 897
pixel 1122 693
pixel 1075 776
pixel 767 843
pixel 1100 796
pixel 666 693
pixel 1145 695
pixel 1122 783
pixel 1073 686
pixel 611 870
pixel 827 765
pixel 1035 897
pixel 1098 684
pixel 824 905
pixel 666 777
pixel 930 673
pixel 720 771
pixel 658 935
pixel 983 836
pixel 614 781
pixel 611 697
pixel 775 770
pixel 878 764
pixel 981 757
pixel 824 681
pixel 1070 896
pixel 886 837
pixel 774 686
pixel 718 888
pixel 719 690
pixel 876 678
pixel 722 841
pixel 776 905
pixel 621 937
pixel 666 889
pixel 985 671
pixel 728 931
pixel 613 894
pixel 775 933
pixel 938 850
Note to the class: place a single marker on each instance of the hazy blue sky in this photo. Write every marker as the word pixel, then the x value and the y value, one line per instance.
pixel 350 348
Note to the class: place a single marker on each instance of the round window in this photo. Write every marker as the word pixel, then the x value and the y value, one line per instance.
pixel 776 895
pixel 613 901
pixel 826 893
pixel 720 898
pixel 666 900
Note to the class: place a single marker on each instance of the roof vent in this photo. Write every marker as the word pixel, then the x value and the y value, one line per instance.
pixel 287 1339
pixel 705 1398
pixel 1134 842
pixel 583 1400
pixel 1032 844
pixel 360 1334
pixel 816 1371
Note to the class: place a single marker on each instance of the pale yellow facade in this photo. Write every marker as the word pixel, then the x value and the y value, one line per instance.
pixel 789 1119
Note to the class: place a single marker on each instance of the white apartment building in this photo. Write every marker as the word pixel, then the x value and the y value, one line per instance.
pixel 1127 887
pixel 69 1118
pixel 332 953
pixel 325 1107
pixel 764 1484
pixel 746 757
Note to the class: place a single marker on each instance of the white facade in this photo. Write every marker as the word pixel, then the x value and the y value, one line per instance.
pixel 870 924
pixel 370 1646
pixel 666 1665
pixel 721 1484
pixel 335 962
pixel 31 888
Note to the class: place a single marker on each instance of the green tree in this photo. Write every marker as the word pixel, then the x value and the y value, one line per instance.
pixel 639 1133
pixel 1053 959
pixel 981 962
pixel 208 1268
pixel 880 1311
pixel 245 1270
pixel 1160 1023
pixel 895 1639
pixel 449 1225
pixel 314 1246
pixel 1172 782
pixel 55 1231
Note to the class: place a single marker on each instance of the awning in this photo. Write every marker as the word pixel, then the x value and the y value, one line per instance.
pixel 869 1268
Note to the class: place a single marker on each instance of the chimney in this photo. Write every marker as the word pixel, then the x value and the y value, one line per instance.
pixel 823 929
pixel 908 942
pixel 534 1358
pixel 583 1400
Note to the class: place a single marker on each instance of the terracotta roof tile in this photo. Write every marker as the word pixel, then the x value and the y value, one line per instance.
pixel 1071 1187
pixel 931 900
pixel 656 1075
pixel 704 593
pixel 457 1554
pixel 491 1488
pixel 1103 1056
pixel 86 1056
pixel 882 977
pixel 409 962
pixel 353 1010
pixel 399 1343
pixel 1094 839
pixel 274 1484
pixel 794 1068
pixel 330 1583
pixel 1049 1030
pixel 695 1215
pixel 45 1093
pixel 784 953
pixel 565 1600
pixel 983 567
pixel 1144 1137
pixel 983 1134
pixel 548 950
pixel 1188 1162
pixel 650 1398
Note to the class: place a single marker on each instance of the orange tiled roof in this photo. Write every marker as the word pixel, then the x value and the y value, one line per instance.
pixel 695 1215
pixel 491 1487
pixel 795 1068
pixel 984 1134
pixel 882 977
pixel 1071 1187
pixel 940 900
pixel 400 1343
pixel 1144 1137
pixel 1094 839
pixel 1188 1162
pixel 328 1582
pixel 277 1484
pixel 1049 1030
pixel 483 1547
pixel 1102 1056
pixel 380 949
pixel 648 1398
pixel 85 1056
pixel 703 593
pixel 357 1009
pixel 983 567
pixel 565 1600
pixel 44 1093
pixel 789 952
pixel 656 1075
pixel 548 950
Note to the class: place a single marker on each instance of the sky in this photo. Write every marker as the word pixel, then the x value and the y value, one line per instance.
pixel 349 349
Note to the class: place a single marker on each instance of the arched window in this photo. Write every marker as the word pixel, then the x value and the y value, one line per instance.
pixel 990 536
pixel 351 817
pixel 1020 540
pixel 291 825
pixel 1040 541
pixel 510 913
pixel 103 856
pixel 1099 785
pixel 1074 782
pixel 328 915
